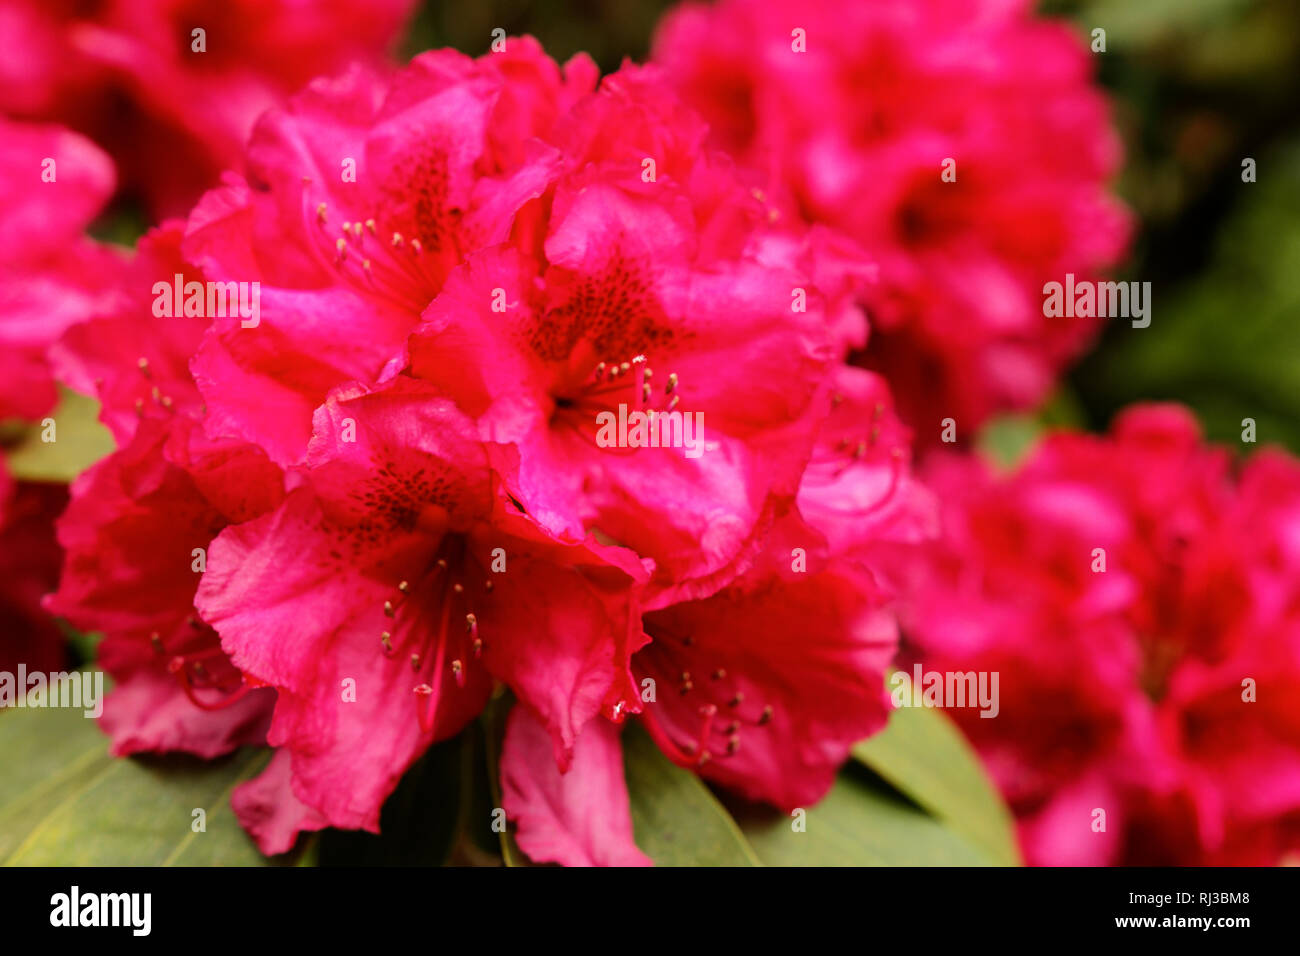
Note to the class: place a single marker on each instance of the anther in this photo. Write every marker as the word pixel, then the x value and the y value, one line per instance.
pixel 415 662
pixel 766 716
pixel 388 609
pixel 320 213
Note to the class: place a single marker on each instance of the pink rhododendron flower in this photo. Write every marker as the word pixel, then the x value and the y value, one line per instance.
pixel 651 297
pixel 171 89
pixel 411 484
pixel 401 569
pixel 52 183
pixel 140 522
pixel 444 156
pixel 854 109
pixel 762 687
pixel 1139 602
pixel 131 570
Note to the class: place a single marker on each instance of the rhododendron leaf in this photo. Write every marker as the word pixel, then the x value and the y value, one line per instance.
pixel 79 440
pixel 677 820
pixel 494 730
pixel 44 753
pixel 859 823
pixel 65 802
pixel 924 755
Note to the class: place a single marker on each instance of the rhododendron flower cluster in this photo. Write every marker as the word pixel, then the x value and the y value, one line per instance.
pixel 497 388
pixel 339 528
pixel 961 146
pixel 1139 595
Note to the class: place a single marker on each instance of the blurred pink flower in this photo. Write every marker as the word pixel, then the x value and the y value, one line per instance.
pixel 1163 689
pixel 172 106
pixel 52 184
pixel 852 111
pixel 29 568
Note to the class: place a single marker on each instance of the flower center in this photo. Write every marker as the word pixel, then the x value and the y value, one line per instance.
pixel 449 585
pixel 723 712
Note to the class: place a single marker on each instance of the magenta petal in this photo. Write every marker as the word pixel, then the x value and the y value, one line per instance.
pixel 578 818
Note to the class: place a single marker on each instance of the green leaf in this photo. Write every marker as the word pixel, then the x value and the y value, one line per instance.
pixel 676 819
pixel 79 441
pixel 1006 440
pixel 859 823
pixel 923 754
pixel 494 732
pixel 65 802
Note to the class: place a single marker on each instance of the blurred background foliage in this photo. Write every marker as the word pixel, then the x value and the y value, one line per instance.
pixel 1199 86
